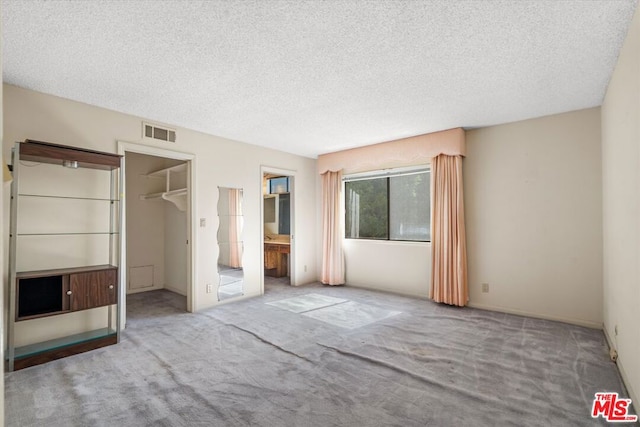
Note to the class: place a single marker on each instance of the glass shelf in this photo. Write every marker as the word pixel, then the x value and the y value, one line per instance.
pixel 68 197
pixel 42 347
pixel 68 234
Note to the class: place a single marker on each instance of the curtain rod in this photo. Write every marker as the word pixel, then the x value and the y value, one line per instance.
pixel 385 173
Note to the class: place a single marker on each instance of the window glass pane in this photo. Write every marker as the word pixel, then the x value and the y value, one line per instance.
pixel 366 209
pixel 409 210
pixel 269 209
pixel 279 185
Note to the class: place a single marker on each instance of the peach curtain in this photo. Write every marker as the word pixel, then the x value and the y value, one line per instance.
pixel 235 228
pixel 448 247
pixel 332 253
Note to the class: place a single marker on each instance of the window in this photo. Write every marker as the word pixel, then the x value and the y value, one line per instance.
pixel 395 206
pixel 278 185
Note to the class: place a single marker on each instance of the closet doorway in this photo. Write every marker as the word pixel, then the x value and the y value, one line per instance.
pixel 157 229
pixel 278 228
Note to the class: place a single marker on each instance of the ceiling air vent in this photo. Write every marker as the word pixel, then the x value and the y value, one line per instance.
pixel 157 132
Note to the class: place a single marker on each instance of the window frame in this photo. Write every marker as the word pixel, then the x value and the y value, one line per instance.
pixel 270 184
pixel 387 174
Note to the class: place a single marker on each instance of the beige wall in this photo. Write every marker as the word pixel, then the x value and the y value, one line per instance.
pixel 621 210
pixel 218 162
pixel 175 249
pixel 533 208
pixel 399 267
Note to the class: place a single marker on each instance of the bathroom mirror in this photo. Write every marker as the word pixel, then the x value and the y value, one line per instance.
pixel 230 243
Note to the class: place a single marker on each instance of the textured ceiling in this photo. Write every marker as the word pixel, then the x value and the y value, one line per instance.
pixel 311 77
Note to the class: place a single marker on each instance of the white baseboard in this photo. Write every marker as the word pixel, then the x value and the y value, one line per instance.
pixel 139 290
pixel 623 374
pixel 157 288
pixel 176 290
pixel 402 292
pixel 608 338
pixel 234 299
pixel 578 322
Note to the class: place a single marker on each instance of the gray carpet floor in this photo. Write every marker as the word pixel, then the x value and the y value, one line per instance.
pixel 253 363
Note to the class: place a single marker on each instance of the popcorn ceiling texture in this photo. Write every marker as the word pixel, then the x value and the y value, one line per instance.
pixel 311 77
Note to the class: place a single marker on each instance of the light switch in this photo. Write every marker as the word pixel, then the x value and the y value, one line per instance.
pixel 203 222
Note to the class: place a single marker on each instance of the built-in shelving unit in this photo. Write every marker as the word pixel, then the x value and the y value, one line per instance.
pixel 177 196
pixel 56 226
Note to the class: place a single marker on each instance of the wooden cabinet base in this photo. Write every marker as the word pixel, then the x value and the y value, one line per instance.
pixel 276 259
pixel 59 353
pixel 281 267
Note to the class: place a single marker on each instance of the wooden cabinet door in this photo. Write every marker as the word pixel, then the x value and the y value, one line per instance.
pixel 270 257
pixel 93 289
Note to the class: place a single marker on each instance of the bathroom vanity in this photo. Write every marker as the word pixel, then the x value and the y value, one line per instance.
pixel 276 258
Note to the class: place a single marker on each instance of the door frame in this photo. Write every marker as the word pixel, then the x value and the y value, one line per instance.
pixel 292 208
pixel 123 148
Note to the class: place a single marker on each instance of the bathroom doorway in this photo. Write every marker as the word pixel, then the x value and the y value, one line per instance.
pixel 278 228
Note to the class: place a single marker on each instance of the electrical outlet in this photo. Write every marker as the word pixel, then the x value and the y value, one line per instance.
pixel 485 287
pixel 209 288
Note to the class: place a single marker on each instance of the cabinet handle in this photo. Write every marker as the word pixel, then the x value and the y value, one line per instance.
pixel 69 292
pixel 110 286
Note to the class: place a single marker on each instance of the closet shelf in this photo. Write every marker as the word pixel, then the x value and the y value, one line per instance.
pixel 177 197
pixel 162 173
pixel 151 196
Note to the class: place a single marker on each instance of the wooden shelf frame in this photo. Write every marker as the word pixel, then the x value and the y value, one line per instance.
pixel 46 152
pixel 47 350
